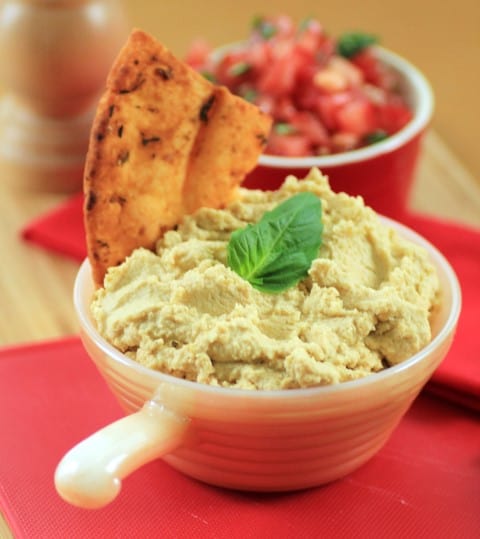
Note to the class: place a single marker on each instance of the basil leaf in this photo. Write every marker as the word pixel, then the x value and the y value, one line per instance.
pixel 277 252
pixel 352 43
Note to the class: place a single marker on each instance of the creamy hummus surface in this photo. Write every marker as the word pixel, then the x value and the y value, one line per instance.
pixel 365 305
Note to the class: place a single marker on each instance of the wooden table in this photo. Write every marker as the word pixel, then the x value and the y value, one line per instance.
pixel 36 285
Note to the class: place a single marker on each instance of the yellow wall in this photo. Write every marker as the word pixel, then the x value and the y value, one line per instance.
pixel 441 38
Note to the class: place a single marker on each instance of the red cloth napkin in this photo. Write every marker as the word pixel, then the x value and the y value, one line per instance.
pixel 458 378
pixel 424 482
pixel 60 230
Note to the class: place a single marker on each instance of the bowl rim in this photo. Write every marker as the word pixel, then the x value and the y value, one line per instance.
pixel 423 111
pixel 452 286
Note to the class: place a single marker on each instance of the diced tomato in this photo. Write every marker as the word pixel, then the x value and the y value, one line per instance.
pixel 233 69
pixel 305 74
pixel 374 71
pixel 342 141
pixel 267 104
pixel 337 76
pixel 281 76
pixel 288 145
pixel 311 38
pixel 330 81
pixel 259 55
pixel 284 26
pixel 393 116
pixel 284 109
pixel 368 64
pixel 309 125
pixel 325 51
pixel 357 117
pixel 198 53
pixel 305 97
pixel 327 103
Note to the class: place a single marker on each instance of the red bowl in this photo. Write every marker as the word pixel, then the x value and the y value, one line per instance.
pixel 383 173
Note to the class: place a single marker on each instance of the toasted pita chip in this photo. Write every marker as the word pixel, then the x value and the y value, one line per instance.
pixel 164 142
pixel 228 144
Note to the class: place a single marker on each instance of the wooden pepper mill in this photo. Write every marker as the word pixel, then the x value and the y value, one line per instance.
pixel 54 59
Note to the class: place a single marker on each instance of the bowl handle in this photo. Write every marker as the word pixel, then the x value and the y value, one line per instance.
pixel 90 474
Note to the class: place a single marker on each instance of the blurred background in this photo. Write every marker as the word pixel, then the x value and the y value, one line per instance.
pixel 441 38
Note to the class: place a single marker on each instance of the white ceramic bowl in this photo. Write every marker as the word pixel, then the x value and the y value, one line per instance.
pixel 242 439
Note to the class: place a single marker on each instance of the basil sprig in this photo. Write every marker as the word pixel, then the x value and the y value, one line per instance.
pixel 350 44
pixel 277 252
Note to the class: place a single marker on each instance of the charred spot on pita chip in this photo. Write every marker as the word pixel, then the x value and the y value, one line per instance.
pixel 165 73
pixel 90 201
pixel 135 86
pixel 262 139
pixel 148 140
pixel 123 157
pixel 205 108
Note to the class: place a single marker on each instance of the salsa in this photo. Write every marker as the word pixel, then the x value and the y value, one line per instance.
pixel 326 95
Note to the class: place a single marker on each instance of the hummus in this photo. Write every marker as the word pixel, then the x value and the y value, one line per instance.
pixel 364 306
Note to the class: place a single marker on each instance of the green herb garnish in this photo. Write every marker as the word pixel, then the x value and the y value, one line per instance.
pixel 277 252
pixel 352 43
pixel 304 24
pixel 265 28
pixel 209 76
pixel 240 68
pixel 249 95
pixel 284 128
pixel 375 136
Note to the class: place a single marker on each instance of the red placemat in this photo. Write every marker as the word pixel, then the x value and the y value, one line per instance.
pixel 458 378
pixel 424 483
